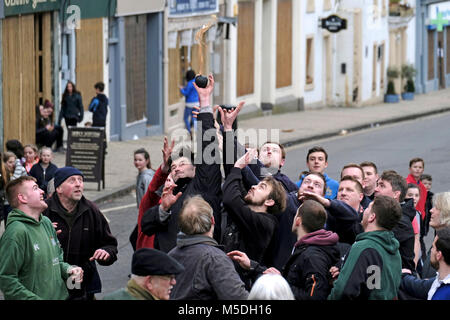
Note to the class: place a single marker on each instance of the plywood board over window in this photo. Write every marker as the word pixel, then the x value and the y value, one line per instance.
pixel 136 66
pixel 310 6
pixel 175 77
pixel 284 43
pixel 246 48
pixel 89 64
pixel 19 82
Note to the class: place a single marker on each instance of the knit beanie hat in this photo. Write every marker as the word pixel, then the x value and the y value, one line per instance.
pixel 63 173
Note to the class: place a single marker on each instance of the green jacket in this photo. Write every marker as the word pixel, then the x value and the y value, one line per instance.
pixel 372 270
pixel 31 260
pixel 132 292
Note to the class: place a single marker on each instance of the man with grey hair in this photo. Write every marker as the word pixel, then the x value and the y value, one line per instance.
pixel 209 274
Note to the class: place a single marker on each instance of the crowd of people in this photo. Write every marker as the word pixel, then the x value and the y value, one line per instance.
pixel 233 227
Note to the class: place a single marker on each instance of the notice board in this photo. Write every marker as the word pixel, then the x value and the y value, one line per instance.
pixel 86 152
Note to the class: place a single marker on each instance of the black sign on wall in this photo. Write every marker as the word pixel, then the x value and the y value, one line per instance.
pixel 334 23
pixel 86 152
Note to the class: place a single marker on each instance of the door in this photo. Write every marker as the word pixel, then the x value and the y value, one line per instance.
pixel 441 65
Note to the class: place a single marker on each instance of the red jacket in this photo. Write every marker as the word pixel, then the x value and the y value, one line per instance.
pixel 423 195
pixel 149 200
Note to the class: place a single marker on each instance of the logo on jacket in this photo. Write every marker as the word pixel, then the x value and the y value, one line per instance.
pixel 36 247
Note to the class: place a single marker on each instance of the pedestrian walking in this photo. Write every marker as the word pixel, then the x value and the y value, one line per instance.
pixel 71 106
pixel 83 231
pixel 192 100
pixel 99 106
pixel 31 259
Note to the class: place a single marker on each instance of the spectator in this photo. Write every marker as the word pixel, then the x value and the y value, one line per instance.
pixel 71 106
pixel 31 259
pixel 416 167
pixel 31 156
pixel 82 230
pixel 254 212
pixel 99 106
pixel 317 161
pixel 370 178
pixel 440 218
pixel 271 287
pixel 16 147
pixel 152 277
pixel 200 179
pixel 356 171
pixel 209 274
pixel 413 192
pixel 45 170
pixel 47 132
pixel 372 270
pixel 438 287
pixel 427 181
pixel 145 173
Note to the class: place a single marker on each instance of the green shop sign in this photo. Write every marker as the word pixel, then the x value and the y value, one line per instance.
pixel 16 7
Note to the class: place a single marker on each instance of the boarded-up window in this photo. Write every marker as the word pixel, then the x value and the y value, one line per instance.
pixel 309 61
pixel 175 78
pixel 136 67
pixel 431 54
pixel 284 43
pixel 89 64
pixel 326 5
pixel 246 48
pixel 18 70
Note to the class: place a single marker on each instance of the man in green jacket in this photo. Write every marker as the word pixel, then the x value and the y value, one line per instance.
pixel 152 276
pixel 31 259
pixel 372 270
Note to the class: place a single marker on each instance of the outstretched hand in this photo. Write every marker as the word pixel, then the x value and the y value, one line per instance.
pixel 246 159
pixel 229 116
pixel 205 93
pixel 167 151
pixel 168 198
pixel 241 258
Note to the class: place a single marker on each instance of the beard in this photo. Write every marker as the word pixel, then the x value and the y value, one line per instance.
pixel 248 200
pixel 434 263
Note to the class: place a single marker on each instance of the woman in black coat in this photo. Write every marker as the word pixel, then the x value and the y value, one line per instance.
pixel 71 106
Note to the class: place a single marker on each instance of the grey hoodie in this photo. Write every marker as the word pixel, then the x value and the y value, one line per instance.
pixel 142 182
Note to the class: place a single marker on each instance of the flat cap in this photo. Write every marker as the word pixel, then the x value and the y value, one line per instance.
pixel 147 262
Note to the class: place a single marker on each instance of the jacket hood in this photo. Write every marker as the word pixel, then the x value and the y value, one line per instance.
pixel 385 239
pixel 18 215
pixel 148 172
pixel 102 97
pixel 320 237
pixel 184 240
pixel 408 209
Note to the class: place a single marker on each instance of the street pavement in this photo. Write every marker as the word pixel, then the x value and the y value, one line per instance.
pixel 290 129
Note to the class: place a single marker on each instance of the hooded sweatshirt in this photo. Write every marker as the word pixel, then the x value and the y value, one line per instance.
pixel 307 270
pixel 31 260
pixel 372 270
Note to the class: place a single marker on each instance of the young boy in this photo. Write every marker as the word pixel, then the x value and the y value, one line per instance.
pixel 99 106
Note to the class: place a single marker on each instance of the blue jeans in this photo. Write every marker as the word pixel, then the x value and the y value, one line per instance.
pixel 188 118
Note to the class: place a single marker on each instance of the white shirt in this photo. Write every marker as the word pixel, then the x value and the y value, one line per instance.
pixel 436 285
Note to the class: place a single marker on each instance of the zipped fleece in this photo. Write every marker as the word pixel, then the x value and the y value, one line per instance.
pixel 372 270
pixel 31 260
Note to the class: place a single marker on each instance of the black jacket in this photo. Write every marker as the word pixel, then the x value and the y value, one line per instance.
pixel 90 231
pixel 404 233
pixel 307 270
pixel 257 229
pixel 205 183
pixel 43 176
pixel 71 108
pixel 99 110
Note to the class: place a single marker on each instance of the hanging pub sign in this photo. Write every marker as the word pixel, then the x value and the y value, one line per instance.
pixel 334 23
pixel 186 8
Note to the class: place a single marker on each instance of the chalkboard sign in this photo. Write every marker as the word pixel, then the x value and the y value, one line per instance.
pixel 86 152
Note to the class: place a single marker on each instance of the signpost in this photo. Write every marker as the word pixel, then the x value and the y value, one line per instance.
pixel 86 152
pixel 334 23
